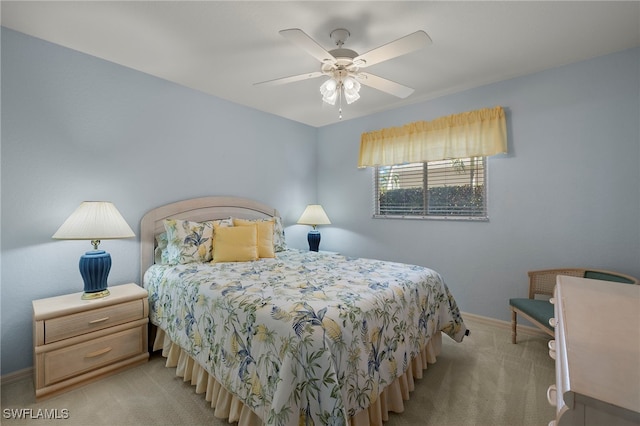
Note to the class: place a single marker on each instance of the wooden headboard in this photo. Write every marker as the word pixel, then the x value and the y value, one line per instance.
pixel 198 210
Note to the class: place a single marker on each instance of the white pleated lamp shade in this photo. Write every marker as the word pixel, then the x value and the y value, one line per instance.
pixel 314 215
pixel 94 220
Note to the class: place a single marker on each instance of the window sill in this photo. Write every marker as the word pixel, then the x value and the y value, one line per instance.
pixel 446 218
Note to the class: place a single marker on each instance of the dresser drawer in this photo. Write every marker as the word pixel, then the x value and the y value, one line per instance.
pixel 73 360
pixel 64 327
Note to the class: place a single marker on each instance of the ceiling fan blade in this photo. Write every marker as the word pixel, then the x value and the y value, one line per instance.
pixel 399 47
pixel 384 85
pixel 300 38
pixel 290 79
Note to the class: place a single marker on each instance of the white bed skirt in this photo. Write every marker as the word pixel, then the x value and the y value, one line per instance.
pixel 227 406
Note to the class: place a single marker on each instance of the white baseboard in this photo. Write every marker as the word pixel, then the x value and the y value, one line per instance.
pixel 16 376
pixel 524 329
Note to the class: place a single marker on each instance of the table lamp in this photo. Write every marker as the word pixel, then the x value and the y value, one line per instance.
pixel 314 215
pixel 94 221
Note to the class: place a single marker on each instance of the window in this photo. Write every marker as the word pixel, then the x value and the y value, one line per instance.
pixel 444 189
pixel 434 169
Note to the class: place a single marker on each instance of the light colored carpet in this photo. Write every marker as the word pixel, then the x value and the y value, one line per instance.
pixel 485 380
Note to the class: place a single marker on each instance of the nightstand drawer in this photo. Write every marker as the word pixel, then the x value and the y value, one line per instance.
pixel 60 328
pixel 73 360
pixel 77 341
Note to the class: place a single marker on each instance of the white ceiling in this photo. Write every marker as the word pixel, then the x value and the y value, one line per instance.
pixel 223 48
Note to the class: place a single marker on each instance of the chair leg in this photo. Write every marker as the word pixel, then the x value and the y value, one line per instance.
pixel 514 325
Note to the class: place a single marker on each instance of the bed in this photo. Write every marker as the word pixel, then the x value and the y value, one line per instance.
pixel 287 337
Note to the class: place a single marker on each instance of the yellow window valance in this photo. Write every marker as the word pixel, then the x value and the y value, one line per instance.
pixel 477 133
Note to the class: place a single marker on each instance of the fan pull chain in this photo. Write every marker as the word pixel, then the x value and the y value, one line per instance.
pixel 340 89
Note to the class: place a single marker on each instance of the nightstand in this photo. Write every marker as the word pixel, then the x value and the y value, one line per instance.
pixel 77 341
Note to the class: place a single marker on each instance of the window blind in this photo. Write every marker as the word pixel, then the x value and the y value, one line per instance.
pixel 445 188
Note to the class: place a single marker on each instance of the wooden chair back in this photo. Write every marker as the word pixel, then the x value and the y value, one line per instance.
pixel 542 282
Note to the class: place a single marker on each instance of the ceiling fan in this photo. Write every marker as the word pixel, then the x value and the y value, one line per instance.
pixel 343 66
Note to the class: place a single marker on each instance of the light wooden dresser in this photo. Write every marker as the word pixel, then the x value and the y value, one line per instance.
pixel 597 353
pixel 77 341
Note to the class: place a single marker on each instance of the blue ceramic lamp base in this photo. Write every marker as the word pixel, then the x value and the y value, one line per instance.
pixel 314 240
pixel 94 268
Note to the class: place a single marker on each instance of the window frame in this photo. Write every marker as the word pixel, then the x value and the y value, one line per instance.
pixel 472 218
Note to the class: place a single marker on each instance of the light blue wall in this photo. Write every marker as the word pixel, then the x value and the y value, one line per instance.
pixel 567 194
pixel 75 127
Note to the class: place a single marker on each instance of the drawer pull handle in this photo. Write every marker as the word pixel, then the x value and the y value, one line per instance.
pixel 552 349
pixel 98 352
pixel 95 321
pixel 552 395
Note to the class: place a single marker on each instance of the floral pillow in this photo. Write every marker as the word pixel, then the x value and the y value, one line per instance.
pixel 279 243
pixel 188 241
pixel 161 249
pixel 225 223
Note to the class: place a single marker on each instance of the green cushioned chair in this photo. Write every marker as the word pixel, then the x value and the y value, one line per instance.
pixel 537 308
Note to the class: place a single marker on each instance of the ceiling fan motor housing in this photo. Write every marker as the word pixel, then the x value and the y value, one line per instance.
pixel 339 36
pixel 345 55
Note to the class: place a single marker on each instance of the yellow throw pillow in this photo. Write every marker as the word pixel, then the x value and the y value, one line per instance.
pixel 265 235
pixel 219 223
pixel 235 244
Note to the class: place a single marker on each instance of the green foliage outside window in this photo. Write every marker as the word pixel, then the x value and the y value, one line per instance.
pixel 461 200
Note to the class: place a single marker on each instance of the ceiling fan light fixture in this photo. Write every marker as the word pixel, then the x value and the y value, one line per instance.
pixel 351 88
pixel 329 91
pixel 348 87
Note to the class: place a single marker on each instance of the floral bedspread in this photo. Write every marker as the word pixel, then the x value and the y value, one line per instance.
pixel 305 338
